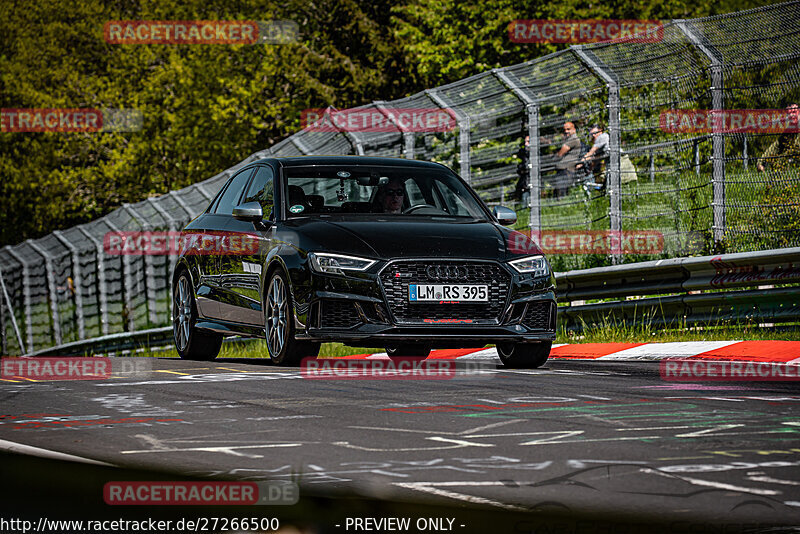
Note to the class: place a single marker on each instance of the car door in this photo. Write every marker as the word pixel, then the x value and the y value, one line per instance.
pixel 210 291
pixel 241 273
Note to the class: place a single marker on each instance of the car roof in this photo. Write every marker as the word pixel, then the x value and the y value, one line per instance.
pixel 303 161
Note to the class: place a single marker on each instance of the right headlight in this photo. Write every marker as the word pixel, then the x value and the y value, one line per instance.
pixel 535 265
pixel 337 263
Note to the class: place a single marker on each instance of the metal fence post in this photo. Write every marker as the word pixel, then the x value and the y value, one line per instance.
pixel 13 318
pixel 199 187
pixel 534 180
pixel 613 178
pixel 408 136
pixel 77 282
pixel 354 140
pixel 745 160
pixel 26 298
pixel 295 140
pixel 652 167
pixel 697 158
pixel 51 289
pixel 409 142
pixel 696 37
pixel 102 290
pixel 149 270
pixel 172 254
pixel 463 132
pixel 127 295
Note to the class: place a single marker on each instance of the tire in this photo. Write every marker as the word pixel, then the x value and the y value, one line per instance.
pixel 524 355
pixel 190 343
pixel 279 329
pixel 408 350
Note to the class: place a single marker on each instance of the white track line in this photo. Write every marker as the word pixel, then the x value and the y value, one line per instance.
pixel 19 448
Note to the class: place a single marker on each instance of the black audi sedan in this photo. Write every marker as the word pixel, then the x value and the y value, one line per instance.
pixel 365 251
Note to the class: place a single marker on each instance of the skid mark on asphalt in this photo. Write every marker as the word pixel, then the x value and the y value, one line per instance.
pixel 456 444
pixel 459 433
pixel 76 422
pixel 232 450
pixel 205 378
pixel 434 488
pixel 718 485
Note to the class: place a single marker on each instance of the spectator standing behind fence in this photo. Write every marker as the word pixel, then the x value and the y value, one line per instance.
pixel 566 160
pixel 594 161
pixel 785 150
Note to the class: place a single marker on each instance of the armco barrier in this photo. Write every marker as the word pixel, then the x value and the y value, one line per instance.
pixel 691 291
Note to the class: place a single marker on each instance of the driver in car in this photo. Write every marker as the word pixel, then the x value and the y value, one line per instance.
pixel 390 196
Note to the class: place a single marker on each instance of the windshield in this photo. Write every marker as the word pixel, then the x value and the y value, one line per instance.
pixel 342 189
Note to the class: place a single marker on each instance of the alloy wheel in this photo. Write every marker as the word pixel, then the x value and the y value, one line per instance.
pixel 277 313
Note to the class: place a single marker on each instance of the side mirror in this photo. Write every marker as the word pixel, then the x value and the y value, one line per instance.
pixel 504 215
pixel 249 211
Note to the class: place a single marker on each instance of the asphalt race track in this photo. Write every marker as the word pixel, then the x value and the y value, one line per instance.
pixel 575 438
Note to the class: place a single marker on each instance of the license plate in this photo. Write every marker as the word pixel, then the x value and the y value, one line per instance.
pixel 448 293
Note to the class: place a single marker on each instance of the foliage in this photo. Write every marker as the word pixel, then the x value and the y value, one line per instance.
pixel 207 107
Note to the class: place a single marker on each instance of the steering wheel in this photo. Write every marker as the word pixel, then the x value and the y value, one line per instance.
pixel 416 207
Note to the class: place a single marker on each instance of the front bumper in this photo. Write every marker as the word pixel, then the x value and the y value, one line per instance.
pixel 434 337
pixel 355 310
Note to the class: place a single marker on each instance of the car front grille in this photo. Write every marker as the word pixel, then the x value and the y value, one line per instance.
pixel 338 314
pixel 396 277
pixel 540 316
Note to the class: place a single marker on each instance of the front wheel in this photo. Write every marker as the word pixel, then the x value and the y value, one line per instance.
pixel 190 343
pixel 524 355
pixel 283 348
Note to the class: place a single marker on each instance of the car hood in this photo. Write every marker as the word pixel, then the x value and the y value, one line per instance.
pixel 408 237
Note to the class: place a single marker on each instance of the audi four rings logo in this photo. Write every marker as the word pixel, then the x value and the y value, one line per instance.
pixel 446 272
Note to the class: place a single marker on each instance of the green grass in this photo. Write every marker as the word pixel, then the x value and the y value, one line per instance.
pixel 257 348
pixel 608 333
pixel 644 333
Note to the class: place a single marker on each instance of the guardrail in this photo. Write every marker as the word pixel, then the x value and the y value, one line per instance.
pixel 142 339
pixel 705 290
pixel 686 291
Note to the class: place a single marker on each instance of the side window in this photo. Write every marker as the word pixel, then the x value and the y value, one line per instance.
pixel 231 195
pixel 261 191
pixel 414 193
pixel 453 204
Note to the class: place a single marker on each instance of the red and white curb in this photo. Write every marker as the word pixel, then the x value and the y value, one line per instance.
pixel 781 352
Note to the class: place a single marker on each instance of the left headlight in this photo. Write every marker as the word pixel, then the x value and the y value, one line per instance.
pixel 535 265
pixel 337 263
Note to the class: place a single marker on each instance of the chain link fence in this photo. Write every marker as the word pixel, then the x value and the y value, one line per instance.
pixel 705 192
